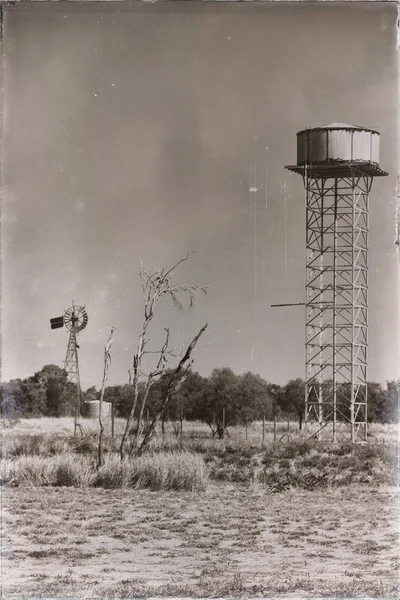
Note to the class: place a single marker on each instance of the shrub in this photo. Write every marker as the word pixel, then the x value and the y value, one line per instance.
pixel 294 448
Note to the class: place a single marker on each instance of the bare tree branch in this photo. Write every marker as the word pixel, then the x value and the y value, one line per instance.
pixel 107 362
pixel 157 372
pixel 175 382
pixel 155 286
pixel 181 260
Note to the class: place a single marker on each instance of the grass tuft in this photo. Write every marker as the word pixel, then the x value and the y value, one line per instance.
pixel 70 472
pixel 161 471
pixel 169 471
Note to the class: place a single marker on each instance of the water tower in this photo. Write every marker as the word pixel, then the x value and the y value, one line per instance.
pixel 338 163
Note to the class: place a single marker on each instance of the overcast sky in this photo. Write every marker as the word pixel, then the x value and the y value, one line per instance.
pixel 135 132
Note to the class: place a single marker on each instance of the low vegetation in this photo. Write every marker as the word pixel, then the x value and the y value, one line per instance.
pixel 187 463
pixel 164 471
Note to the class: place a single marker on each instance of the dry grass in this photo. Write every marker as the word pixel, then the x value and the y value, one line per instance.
pixel 43 426
pixel 230 541
pixel 168 471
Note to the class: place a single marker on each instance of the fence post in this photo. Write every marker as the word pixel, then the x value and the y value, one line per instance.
pixel 274 427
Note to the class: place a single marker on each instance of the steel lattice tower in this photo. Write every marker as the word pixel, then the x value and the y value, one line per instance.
pixel 338 164
pixel 71 365
pixel 75 320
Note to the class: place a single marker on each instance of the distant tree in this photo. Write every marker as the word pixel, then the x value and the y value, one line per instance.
pixel 254 398
pixel 220 395
pixel 14 399
pixel 112 393
pixel 388 411
pixel 376 399
pixel 156 394
pixel 274 408
pixel 91 394
pixel 292 398
pixel 51 394
pixel 188 397
pixel 121 397
pixel 37 394
pixel 46 393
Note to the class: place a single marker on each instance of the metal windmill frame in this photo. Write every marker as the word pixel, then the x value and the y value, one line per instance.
pixel 75 320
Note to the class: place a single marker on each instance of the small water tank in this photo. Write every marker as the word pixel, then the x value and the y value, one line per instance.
pixel 337 143
pixel 91 409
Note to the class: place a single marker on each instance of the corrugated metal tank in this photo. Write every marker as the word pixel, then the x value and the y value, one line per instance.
pixel 337 142
pixel 91 409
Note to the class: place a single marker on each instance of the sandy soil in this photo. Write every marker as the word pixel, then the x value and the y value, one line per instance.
pixel 58 537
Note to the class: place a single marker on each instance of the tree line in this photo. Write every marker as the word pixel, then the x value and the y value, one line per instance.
pixel 220 400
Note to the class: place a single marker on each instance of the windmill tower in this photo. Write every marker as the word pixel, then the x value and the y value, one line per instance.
pixel 338 164
pixel 75 320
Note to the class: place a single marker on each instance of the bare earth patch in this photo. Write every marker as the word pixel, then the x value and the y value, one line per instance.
pixel 229 540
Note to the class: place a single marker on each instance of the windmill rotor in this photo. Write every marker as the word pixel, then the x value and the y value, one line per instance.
pixel 75 318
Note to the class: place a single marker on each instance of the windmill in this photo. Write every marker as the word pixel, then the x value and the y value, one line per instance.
pixel 75 319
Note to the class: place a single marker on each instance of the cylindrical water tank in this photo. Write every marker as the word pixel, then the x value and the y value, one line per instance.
pixel 91 409
pixel 337 143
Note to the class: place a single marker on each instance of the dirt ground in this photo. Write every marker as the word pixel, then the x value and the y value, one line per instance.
pixel 65 542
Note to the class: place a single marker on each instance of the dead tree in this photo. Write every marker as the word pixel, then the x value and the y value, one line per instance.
pixel 175 382
pixel 107 362
pixel 155 286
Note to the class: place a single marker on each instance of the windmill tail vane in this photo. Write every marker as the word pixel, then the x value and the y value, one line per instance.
pixel 57 322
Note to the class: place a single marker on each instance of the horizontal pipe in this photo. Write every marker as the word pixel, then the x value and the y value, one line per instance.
pixel 294 304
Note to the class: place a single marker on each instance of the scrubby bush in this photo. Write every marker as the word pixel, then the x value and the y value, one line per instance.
pixel 307 464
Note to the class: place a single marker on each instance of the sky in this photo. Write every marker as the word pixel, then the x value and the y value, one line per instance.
pixel 134 133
